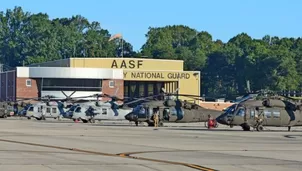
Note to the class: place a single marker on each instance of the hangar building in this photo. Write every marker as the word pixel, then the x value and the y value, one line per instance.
pixel 125 77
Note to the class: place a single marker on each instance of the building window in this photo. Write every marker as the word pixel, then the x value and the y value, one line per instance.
pixel 111 84
pixel 28 83
pixel 67 84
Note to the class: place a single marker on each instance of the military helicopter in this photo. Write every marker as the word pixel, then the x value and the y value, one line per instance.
pixel 12 108
pixel 171 109
pixel 98 110
pixel 260 111
pixel 7 108
pixel 47 108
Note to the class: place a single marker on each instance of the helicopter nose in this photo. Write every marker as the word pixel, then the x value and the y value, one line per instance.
pixel 130 116
pixel 222 120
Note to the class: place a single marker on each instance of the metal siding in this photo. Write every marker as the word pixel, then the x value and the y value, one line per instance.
pixel 61 72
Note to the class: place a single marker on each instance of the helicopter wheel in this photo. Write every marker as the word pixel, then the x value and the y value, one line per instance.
pixel 259 128
pixel 150 124
pixel 161 124
pixel 136 123
pixel 246 127
pixel 28 118
pixel 76 120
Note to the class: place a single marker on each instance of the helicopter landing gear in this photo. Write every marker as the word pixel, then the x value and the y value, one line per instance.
pixel 59 118
pixel 259 128
pixel 136 123
pixel 28 118
pixel 246 127
pixel 288 128
pixel 76 120
pixel 91 120
pixel 161 124
pixel 43 118
pixel 150 124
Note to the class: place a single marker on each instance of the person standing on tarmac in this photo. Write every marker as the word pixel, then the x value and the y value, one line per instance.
pixel 210 121
pixel 156 118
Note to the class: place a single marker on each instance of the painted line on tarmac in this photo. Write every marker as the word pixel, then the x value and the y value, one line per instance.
pixel 124 155
pixel 194 166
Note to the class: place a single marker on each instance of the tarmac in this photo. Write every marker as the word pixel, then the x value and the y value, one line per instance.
pixel 31 145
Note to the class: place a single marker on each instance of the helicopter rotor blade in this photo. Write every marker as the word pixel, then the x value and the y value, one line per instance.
pixel 64 93
pixel 116 91
pixel 71 94
pixel 176 91
pixel 139 99
pixel 163 89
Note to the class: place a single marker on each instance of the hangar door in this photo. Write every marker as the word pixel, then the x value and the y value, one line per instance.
pixel 147 88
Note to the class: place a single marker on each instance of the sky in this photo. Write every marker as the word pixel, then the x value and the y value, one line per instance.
pixel 223 19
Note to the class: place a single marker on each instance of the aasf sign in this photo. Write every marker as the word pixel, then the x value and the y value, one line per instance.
pixel 126 64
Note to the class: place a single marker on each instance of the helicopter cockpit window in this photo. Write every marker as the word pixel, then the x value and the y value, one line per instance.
pixel 31 109
pixel 72 108
pixel 142 110
pixel 173 111
pixel 276 114
pixel 139 109
pixel 231 109
pixel 240 112
pixel 166 113
pixel 78 109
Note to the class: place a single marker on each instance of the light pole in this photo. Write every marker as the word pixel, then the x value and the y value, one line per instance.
pixel 120 36
pixel 122 46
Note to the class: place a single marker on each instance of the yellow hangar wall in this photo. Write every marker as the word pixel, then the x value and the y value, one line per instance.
pixel 140 69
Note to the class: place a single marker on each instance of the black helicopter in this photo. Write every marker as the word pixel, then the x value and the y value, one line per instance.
pixel 267 109
pixel 171 109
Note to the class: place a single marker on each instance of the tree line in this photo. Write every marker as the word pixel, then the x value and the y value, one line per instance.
pixel 267 63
